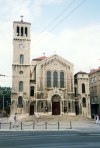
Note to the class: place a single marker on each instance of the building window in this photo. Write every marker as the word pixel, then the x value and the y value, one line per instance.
pixel 32 91
pixel 83 88
pixel 69 106
pixel 20 102
pixel 62 79
pixel 48 79
pixel 99 77
pixel 21 31
pixel 55 79
pixel 41 104
pixel 21 86
pixel 95 79
pixel 17 30
pixel 21 59
pixel 91 80
pixel 25 31
pixel 75 91
pixel 84 102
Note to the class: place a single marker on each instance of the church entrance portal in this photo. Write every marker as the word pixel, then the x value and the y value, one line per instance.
pixel 56 105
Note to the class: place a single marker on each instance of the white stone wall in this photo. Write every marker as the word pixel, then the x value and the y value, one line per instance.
pixel 21 72
pixel 83 78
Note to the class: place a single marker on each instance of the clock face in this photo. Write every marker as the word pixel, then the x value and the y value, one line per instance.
pixel 21 45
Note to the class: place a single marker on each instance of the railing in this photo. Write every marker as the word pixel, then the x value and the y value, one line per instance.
pixel 42 125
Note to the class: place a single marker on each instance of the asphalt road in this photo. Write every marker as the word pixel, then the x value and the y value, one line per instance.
pixel 49 139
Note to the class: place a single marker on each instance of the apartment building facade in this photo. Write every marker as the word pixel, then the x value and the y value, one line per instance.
pixel 94 81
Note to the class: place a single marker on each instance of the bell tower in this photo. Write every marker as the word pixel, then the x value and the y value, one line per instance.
pixel 21 67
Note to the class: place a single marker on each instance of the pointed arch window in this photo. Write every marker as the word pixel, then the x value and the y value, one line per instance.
pixel 21 86
pixel 20 102
pixel 21 59
pixel 48 79
pixel 55 79
pixel 83 88
pixel 62 79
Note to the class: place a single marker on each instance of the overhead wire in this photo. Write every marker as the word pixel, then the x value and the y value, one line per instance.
pixel 57 17
pixel 61 21
pixel 68 6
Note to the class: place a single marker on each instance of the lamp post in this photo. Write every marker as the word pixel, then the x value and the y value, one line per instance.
pixel 3 103
pixel 5 94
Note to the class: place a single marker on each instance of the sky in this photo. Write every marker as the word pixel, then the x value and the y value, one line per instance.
pixel 69 28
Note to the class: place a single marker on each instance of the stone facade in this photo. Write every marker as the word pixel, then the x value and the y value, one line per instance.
pixel 21 67
pixel 46 86
pixel 82 94
pixel 94 78
pixel 52 98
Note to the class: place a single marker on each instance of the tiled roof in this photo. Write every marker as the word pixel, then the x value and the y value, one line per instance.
pixel 40 58
pixel 94 71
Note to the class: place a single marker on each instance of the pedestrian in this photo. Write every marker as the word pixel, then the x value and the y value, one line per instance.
pixel 37 116
pixel 97 119
pixel 15 118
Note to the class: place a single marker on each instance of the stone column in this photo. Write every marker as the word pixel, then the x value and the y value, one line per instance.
pixel 36 106
pixel 60 107
pixel 67 107
pixel 71 106
pixel 51 107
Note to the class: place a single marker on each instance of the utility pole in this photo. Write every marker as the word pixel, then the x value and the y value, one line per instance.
pixel 3 103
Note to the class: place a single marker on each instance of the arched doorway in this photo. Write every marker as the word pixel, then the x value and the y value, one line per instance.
pixel 56 105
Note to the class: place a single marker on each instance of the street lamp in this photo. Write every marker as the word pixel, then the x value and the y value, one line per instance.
pixel 3 103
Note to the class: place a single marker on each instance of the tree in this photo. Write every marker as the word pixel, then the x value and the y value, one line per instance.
pixel 5 93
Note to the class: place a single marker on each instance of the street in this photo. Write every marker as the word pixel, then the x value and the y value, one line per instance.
pixel 49 139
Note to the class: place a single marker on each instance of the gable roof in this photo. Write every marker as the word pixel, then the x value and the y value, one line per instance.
pixel 55 56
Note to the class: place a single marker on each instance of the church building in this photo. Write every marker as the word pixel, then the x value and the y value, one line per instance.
pixel 46 85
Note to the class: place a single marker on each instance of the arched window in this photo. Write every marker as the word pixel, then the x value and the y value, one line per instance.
pixel 75 89
pixel 62 79
pixel 21 59
pixel 21 86
pixel 84 102
pixel 21 31
pixel 25 31
pixel 32 91
pixel 48 79
pixel 20 102
pixel 55 79
pixel 83 88
pixel 17 30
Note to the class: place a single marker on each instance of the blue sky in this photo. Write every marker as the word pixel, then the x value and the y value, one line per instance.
pixel 73 33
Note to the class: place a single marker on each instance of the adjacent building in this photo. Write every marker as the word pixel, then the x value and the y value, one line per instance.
pixel 82 94
pixel 94 79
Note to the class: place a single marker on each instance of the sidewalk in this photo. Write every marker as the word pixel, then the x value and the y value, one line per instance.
pixel 31 123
